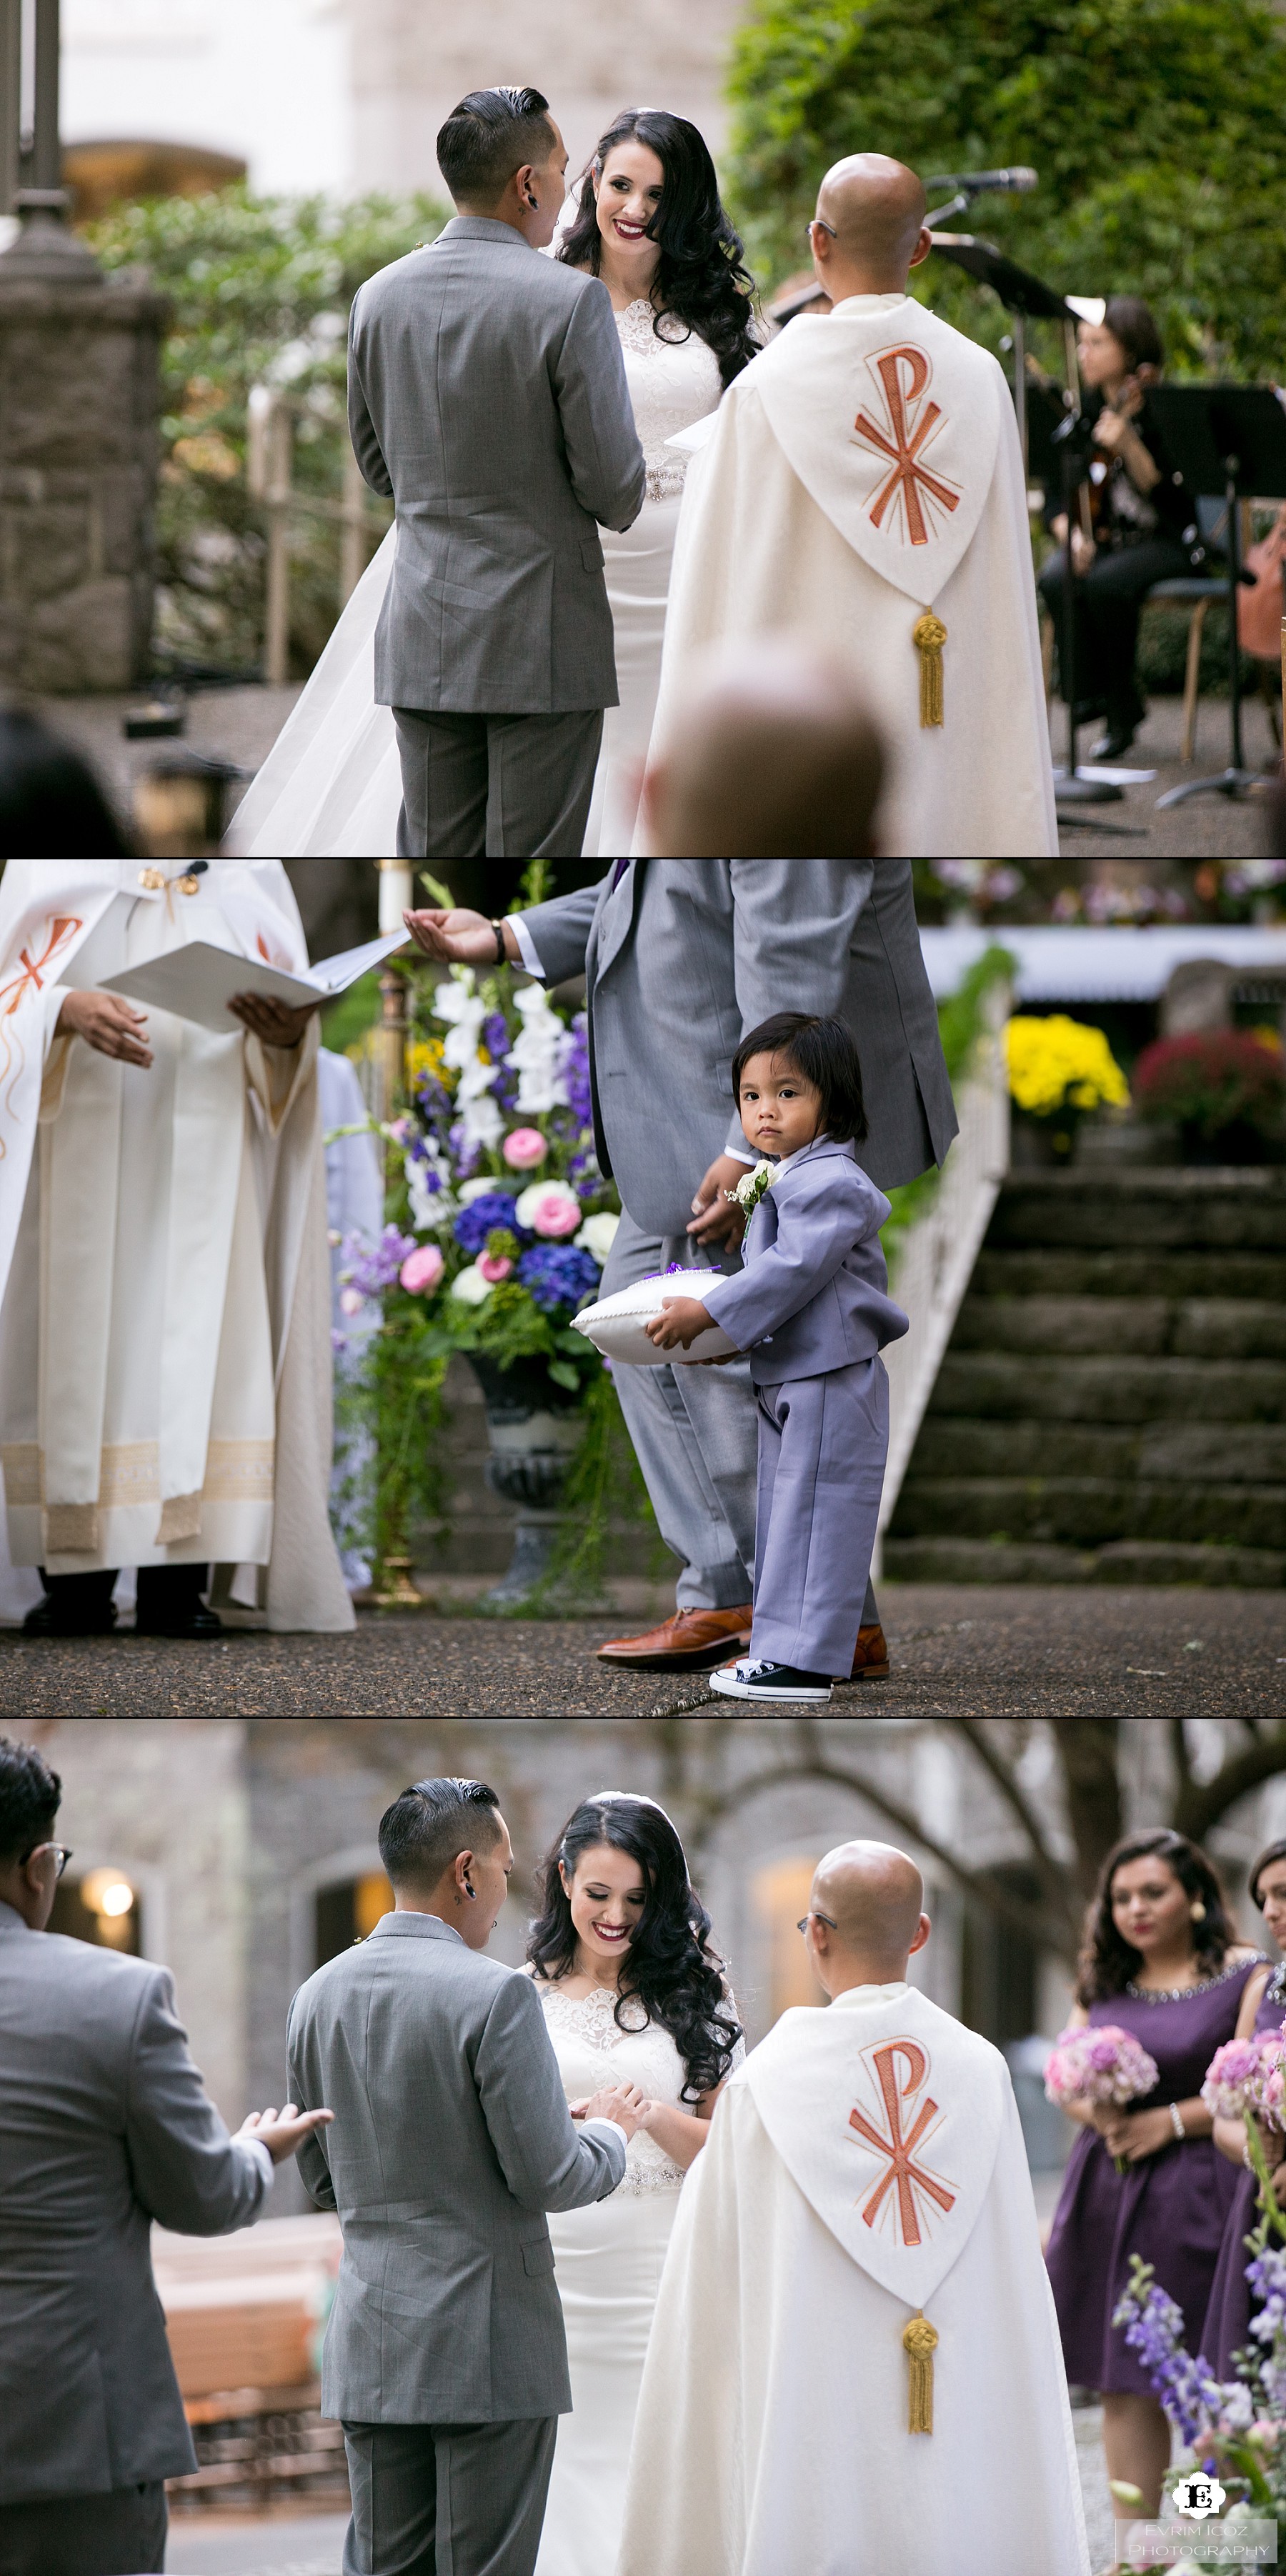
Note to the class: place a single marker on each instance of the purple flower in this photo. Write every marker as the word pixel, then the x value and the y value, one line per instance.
pixel 371 1271
pixel 490 1210
pixel 1154 2328
pixel 495 1035
pixel 464 1151
pixel 556 1274
pixel 576 1072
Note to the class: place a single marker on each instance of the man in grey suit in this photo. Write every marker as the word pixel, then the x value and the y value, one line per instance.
pixel 487 397
pixel 104 2126
pixel 444 2359
pixel 681 957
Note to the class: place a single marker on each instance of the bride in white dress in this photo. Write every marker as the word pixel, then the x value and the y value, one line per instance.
pixel 634 1996
pixel 649 222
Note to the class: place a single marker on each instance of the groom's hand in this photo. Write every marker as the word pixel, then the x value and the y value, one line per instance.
pixel 614 2104
pixel 458 938
pixel 282 2132
pixel 716 1219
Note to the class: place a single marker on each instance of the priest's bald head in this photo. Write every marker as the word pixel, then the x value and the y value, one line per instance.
pixel 869 231
pixel 865 1916
pixel 773 754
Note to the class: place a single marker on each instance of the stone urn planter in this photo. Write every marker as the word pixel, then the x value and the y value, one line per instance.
pixel 1044 1144
pixel 533 1429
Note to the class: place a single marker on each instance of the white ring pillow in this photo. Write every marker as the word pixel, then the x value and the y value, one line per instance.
pixel 615 1325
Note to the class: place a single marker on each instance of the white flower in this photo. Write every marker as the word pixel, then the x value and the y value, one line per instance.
pixel 539 1052
pixel 464 1010
pixel 598 1234
pixel 541 1200
pixel 470 1190
pixel 749 1191
pixel 470 1286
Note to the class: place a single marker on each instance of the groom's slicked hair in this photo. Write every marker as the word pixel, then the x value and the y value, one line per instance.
pixel 431 1824
pixel 487 137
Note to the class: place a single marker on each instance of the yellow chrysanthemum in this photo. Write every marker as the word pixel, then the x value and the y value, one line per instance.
pixel 424 1055
pixel 1058 1063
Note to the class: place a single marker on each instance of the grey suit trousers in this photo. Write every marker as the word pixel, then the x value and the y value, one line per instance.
pixel 823 1443
pixel 447 2499
pixel 695 1435
pixel 495 786
pixel 121 2533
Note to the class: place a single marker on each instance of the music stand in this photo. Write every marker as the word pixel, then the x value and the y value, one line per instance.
pixel 1228 439
pixel 1024 296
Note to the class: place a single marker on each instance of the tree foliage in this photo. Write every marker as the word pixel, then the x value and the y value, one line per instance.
pixel 1158 128
pixel 261 289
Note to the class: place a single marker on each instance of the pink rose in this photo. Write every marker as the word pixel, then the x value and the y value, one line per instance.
pixel 494 1266
pixel 422 1269
pixel 523 1147
pixel 550 1209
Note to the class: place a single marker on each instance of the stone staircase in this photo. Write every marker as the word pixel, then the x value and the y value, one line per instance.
pixel 1112 1405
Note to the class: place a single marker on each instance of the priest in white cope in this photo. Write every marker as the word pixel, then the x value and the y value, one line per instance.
pixel 165 1366
pixel 862 483
pixel 855 2363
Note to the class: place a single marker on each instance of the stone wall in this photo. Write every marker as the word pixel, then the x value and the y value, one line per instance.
pixel 79 395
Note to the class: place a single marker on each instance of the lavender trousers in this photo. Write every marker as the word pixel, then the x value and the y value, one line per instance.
pixel 823 1442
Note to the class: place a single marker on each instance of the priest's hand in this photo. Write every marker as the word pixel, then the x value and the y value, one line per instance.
pixel 716 1219
pixel 460 938
pixel 680 1320
pixel 108 1023
pixel 274 1023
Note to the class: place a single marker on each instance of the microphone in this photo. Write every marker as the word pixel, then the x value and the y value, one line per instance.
pixel 1018 182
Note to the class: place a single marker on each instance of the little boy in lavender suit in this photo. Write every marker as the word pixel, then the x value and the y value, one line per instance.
pixel 811 1306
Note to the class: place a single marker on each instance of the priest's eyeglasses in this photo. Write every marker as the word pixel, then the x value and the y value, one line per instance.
pixel 814 1916
pixel 60 1852
pixel 822 228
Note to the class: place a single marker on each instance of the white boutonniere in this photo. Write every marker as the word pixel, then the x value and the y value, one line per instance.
pixel 749 1191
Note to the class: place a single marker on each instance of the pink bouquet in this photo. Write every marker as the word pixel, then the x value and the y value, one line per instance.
pixel 1246 2078
pixel 1100 2063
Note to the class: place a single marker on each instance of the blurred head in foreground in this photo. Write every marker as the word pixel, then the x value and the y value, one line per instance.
pixel 51 804
pixel 774 755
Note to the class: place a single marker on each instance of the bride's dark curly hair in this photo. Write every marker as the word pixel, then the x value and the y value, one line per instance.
pixel 1107 1961
pixel 670 1964
pixel 700 279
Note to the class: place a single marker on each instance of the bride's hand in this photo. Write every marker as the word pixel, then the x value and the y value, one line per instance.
pixel 458 938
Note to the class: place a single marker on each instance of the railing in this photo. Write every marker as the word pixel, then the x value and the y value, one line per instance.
pixel 270 444
pixel 936 1258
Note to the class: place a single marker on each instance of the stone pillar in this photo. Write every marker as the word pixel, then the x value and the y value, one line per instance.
pixel 79 398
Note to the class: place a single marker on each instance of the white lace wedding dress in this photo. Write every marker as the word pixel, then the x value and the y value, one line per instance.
pixel 608 2267
pixel 331 787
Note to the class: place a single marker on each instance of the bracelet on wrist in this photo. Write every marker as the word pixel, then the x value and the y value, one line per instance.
pixel 1176 2121
pixel 499 929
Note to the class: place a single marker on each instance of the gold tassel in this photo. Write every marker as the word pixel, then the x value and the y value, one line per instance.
pixel 919 2342
pixel 928 636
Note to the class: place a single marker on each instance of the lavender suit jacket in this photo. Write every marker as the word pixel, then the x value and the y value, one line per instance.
pixel 813 1292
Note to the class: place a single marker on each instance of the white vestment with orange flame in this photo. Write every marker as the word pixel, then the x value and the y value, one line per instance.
pixel 165 1367
pixel 862 480
pixel 865 2173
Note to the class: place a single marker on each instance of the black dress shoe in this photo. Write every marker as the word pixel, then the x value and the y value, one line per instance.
pixel 52 1618
pixel 184 1622
pixel 1117 739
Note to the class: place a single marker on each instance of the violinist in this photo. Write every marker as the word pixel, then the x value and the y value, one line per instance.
pixel 1138 513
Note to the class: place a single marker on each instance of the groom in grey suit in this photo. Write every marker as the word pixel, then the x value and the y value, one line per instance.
pixel 681 957
pixel 444 2359
pixel 487 397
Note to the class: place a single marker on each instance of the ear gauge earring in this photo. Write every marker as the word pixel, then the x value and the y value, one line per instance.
pixel 1197 1912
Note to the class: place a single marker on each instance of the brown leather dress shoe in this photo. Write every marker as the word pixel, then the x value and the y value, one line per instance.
pixel 870 1656
pixel 690 1637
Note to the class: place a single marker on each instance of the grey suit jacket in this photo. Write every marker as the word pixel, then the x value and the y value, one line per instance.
pixel 104 2126
pixel 451 2139
pixel 487 397
pixel 687 954
pixel 814 1290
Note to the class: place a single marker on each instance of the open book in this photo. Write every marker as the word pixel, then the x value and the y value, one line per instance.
pixel 197 982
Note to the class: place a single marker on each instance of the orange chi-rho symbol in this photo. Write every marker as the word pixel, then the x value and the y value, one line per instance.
pixel 903 447
pixel 903 2172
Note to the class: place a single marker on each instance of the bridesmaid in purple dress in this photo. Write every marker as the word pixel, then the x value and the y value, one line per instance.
pixel 1263 2007
pixel 1161 1958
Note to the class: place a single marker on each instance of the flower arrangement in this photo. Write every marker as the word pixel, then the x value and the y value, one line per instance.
pixel 1246 2078
pixel 1057 1070
pixel 752 1188
pixel 1211 1082
pixel 1099 2063
pixel 1230 2429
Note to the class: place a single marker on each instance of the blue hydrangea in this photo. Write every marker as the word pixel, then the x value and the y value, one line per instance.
pixel 490 1209
pixel 556 1274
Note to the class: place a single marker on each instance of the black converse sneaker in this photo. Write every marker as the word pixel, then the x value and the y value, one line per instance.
pixel 753 1678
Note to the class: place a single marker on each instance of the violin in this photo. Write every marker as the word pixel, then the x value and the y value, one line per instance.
pixel 1125 404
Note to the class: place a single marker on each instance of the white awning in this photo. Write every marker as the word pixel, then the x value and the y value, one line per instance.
pixel 1098 965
